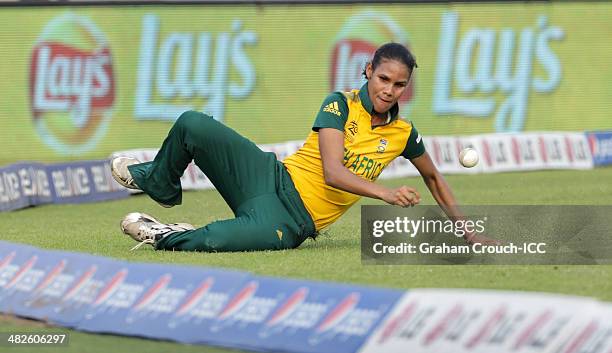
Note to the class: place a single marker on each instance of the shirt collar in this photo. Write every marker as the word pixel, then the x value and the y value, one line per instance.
pixel 369 106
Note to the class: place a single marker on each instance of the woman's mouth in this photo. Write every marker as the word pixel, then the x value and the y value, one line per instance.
pixel 384 100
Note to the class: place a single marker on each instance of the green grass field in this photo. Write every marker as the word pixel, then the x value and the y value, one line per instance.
pixel 335 256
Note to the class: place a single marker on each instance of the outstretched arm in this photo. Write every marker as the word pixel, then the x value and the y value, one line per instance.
pixel 443 195
pixel 436 184
pixel 331 146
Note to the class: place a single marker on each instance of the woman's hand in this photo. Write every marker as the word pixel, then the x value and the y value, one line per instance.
pixel 473 238
pixel 403 196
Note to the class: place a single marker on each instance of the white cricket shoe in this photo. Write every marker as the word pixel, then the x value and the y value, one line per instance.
pixel 147 230
pixel 121 173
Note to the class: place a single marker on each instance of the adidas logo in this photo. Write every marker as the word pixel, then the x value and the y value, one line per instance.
pixel 332 108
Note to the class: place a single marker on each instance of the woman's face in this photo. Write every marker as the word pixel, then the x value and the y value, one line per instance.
pixel 387 83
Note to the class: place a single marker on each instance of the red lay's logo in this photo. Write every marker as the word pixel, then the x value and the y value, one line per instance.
pixel 72 85
pixel 355 45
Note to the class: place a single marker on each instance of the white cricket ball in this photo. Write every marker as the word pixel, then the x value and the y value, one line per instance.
pixel 468 157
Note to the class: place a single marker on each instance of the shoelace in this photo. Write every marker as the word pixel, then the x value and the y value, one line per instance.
pixel 130 180
pixel 148 233
pixel 123 171
pixel 146 241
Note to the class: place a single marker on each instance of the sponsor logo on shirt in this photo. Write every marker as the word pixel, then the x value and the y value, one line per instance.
pixel 332 108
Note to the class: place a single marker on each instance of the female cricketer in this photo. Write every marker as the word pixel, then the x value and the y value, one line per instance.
pixel 278 204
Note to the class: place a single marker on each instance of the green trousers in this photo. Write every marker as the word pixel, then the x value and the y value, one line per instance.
pixel 269 213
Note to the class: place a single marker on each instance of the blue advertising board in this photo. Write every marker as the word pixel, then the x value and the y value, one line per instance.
pixel 194 305
pixel 31 184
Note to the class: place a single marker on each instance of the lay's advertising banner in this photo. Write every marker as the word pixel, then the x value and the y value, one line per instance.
pixel 81 82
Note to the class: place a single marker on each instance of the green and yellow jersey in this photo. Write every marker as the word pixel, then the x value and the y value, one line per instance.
pixel 367 151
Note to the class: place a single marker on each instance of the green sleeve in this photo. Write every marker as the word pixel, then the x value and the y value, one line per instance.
pixel 333 113
pixel 414 146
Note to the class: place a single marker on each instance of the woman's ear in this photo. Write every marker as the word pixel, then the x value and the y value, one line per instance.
pixel 368 71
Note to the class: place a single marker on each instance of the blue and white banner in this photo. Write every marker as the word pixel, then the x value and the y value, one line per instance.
pixel 280 315
pixel 236 309
pixel 15 260
pixel 81 182
pixel 600 144
pixel 189 304
pixel 68 284
pixel 157 297
pixel 31 184
pixel 23 185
